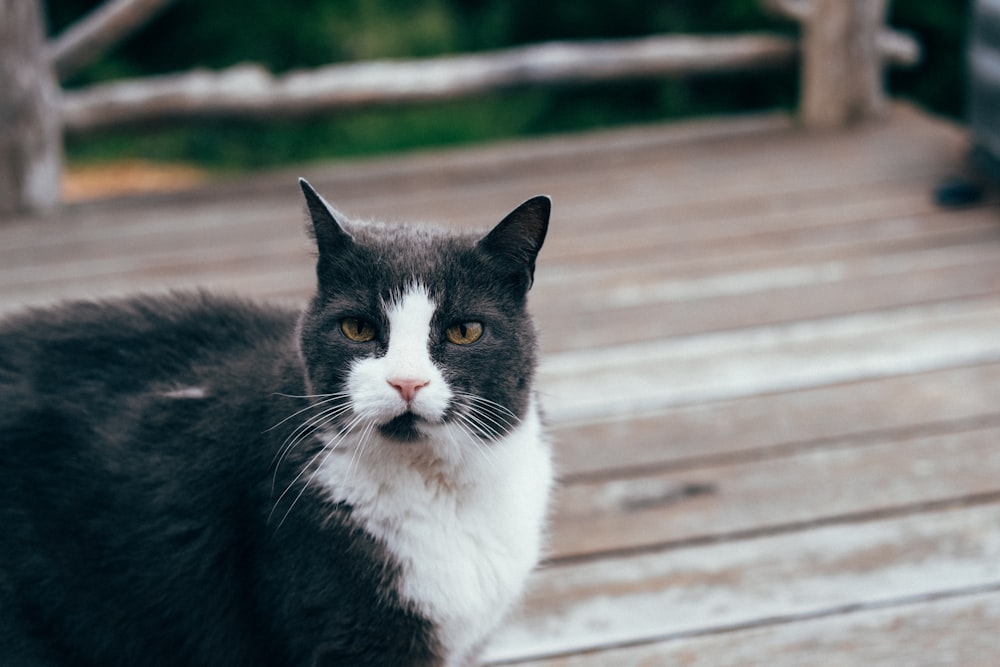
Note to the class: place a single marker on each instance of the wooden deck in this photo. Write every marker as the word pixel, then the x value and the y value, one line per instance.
pixel 772 367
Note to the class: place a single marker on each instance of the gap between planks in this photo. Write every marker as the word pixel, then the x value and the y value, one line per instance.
pixel 637 598
pixel 942 629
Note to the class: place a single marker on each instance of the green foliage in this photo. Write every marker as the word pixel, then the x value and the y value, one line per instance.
pixel 938 82
pixel 295 34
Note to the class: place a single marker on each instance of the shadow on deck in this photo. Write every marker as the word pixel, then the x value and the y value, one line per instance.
pixel 771 366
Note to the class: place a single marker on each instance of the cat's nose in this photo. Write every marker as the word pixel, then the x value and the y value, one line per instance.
pixel 408 387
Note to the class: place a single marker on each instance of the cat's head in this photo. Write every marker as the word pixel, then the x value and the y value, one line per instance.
pixel 423 332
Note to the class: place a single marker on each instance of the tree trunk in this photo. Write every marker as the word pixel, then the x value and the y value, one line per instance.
pixel 30 132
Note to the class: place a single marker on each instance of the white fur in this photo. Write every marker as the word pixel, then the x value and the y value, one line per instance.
pixel 407 358
pixel 187 392
pixel 463 518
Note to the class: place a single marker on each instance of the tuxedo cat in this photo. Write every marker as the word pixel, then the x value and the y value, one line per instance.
pixel 196 480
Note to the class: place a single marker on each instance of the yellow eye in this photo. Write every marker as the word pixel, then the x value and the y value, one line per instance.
pixel 358 330
pixel 464 333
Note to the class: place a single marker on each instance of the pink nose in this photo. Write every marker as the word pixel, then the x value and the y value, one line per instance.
pixel 408 387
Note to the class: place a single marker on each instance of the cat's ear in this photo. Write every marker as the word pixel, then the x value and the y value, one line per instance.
pixel 518 238
pixel 330 235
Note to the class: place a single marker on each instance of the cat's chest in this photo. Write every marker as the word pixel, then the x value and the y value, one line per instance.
pixel 464 546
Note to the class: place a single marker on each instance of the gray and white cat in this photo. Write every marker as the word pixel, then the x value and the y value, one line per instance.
pixel 196 480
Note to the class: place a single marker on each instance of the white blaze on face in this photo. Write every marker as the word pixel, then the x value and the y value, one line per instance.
pixel 405 378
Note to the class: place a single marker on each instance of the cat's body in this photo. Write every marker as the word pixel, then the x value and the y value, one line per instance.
pixel 191 480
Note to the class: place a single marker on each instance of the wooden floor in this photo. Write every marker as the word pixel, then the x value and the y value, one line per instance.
pixel 772 368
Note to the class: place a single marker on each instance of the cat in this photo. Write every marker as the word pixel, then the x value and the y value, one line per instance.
pixel 192 479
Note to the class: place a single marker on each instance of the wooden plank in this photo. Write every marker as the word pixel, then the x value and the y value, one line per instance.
pixel 105 251
pixel 841 479
pixel 701 156
pixel 419 175
pixel 663 262
pixel 678 203
pixel 587 384
pixel 769 295
pixel 765 425
pixel 655 596
pixel 940 632
pixel 739 234
pixel 701 220
pixel 189 258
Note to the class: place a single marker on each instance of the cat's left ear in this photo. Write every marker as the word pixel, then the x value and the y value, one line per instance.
pixel 518 238
pixel 330 236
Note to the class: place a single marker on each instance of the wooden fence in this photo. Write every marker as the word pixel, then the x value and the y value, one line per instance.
pixel 843 48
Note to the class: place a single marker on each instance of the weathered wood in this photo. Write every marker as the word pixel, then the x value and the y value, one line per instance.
pixel 87 39
pixel 671 208
pixel 842 63
pixel 826 571
pixel 248 90
pixel 896 47
pixel 943 631
pixel 30 141
pixel 619 381
pixel 798 10
pixel 827 248
pixel 840 480
pixel 765 426
pixel 703 266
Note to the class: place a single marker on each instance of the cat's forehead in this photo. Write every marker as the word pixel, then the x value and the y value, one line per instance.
pixel 411 240
pixel 390 260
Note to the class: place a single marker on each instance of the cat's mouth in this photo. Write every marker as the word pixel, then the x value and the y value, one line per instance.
pixel 402 428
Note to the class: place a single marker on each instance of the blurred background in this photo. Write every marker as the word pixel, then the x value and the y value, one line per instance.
pixel 284 36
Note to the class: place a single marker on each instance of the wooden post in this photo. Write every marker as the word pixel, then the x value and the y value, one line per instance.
pixel 842 63
pixel 30 132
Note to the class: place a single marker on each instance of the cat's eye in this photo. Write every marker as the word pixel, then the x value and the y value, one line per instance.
pixel 357 329
pixel 464 333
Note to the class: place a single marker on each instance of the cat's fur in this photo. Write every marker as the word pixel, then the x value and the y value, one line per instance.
pixel 193 480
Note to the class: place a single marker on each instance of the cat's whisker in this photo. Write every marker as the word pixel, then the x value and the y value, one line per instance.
pixel 474 430
pixel 284 395
pixel 485 423
pixel 326 452
pixel 326 399
pixel 358 454
pixel 328 447
pixel 496 428
pixel 488 454
pixel 310 425
pixel 498 408
pixel 480 430
pixel 304 431
pixel 491 417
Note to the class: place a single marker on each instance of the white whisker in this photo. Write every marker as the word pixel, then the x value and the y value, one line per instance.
pixel 326 399
pixel 495 407
pixel 302 431
pixel 324 451
pixel 358 454
pixel 497 428
pixel 484 423
pixel 488 454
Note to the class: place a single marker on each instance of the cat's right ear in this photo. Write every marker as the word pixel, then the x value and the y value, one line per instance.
pixel 330 235
pixel 518 238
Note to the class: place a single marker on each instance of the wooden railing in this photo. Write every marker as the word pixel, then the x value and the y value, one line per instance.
pixel 843 48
